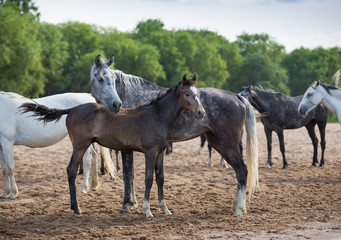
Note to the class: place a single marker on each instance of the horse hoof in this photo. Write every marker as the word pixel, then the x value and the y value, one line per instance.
pixel 167 212
pixel 3 195
pixel 148 214
pixel 83 190
pixel 268 165
pixel 11 196
pixel 123 211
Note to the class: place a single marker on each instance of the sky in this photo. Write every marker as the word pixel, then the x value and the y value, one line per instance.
pixel 292 23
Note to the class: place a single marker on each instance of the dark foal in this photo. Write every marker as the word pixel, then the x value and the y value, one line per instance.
pixel 279 112
pixel 144 129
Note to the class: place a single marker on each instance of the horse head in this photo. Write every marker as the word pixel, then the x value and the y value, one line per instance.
pixel 311 98
pixel 103 84
pixel 190 96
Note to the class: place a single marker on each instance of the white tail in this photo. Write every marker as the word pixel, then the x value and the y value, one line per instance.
pixel 108 164
pixel 336 77
pixel 251 148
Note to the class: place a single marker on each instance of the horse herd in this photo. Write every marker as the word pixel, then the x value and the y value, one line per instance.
pixel 132 114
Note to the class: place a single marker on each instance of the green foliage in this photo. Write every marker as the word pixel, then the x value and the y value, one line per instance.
pixel 305 66
pixel 262 63
pixel 24 6
pixel 39 58
pixel 20 63
pixel 54 56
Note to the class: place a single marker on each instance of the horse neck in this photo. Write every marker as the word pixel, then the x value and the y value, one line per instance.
pixel 331 99
pixel 168 107
pixel 135 90
pixel 262 101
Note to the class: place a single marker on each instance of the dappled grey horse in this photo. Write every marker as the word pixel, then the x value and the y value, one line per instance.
pixel 279 112
pixel 226 115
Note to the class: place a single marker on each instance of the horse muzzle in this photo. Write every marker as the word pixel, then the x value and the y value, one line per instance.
pixel 302 111
pixel 200 114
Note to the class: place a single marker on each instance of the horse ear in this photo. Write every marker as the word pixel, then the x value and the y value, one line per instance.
pixel 98 61
pixel 110 61
pixel 318 83
pixel 194 77
pixel 184 78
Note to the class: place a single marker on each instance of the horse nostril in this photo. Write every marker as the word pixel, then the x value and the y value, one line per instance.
pixel 117 106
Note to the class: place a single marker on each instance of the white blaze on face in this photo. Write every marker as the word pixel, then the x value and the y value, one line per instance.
pixel 195 92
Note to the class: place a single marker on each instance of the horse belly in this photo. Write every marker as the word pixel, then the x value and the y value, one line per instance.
pixel 37 134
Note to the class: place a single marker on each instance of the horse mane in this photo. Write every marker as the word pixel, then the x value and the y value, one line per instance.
pixel 260 88
pixel 329 87
pixel 133 81
pixel 163 94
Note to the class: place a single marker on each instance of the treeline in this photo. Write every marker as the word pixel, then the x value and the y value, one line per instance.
pixel 38 59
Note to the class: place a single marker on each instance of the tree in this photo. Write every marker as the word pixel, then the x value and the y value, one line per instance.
pixel 132 56
pixel 262 62
pixel 152 32
pixel 53 57
pixel 82 39
pixel 305 66
pixel 20 51
pixel 25 6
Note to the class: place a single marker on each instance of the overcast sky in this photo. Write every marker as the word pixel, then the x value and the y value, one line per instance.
pixel 292 23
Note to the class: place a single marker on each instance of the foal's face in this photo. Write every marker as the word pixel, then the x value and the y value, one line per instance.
pixel 311 99
pixel 103 84
pixel 190 97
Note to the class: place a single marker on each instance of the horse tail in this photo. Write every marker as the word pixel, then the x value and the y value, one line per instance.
pixel 251 148
pixel 108 164
pixel 43 113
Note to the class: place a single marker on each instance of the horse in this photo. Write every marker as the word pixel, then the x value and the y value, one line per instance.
pixel 320 93
pixel 144 129
pixel 209 147
pixel 20 129
pixel 226 115
pixel 279 112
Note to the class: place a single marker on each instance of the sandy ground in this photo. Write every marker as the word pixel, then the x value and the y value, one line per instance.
pixel 301 202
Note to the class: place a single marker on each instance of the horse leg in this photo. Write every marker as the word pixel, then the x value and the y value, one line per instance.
pixel 322 129
pixel 128 178
pixel 81 169
pixel 94 167
pixel 160 182
pixel 231 153
pixel 268 134
pixel 202 143
pixel 117 162
pixel 209 161
pixel 281 146
pixel 7 161
pixel 4 169
pixel 71 170
pixel 169 148
pixel 150 160
pixel 311 131
pixel 87 167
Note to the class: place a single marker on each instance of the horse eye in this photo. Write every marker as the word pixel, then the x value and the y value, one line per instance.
pixel 309 94
pixel 187 94
pixel 101 79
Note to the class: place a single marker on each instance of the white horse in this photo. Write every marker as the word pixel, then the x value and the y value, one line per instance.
pixel 17 128
pixel 329 96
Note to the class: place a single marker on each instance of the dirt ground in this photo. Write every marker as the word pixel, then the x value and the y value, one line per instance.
pixel 301 202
